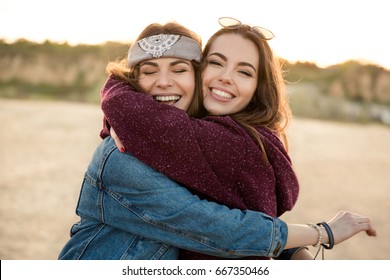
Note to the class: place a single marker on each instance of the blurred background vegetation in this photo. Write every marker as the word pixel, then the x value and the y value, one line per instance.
pixel 350 91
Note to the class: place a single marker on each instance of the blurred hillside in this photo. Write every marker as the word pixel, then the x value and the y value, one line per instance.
pixel 55 71
pixel 350 91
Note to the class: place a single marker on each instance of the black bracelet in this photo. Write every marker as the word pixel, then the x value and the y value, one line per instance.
pixel 330 235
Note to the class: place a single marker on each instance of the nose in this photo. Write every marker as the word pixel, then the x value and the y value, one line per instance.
pixel 226 77
pixel 164 80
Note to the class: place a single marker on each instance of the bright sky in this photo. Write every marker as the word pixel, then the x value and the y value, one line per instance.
pixel 322 31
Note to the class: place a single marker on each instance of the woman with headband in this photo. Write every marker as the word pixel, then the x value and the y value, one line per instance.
pixel 125 214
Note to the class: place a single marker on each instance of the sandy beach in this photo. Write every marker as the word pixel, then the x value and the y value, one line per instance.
pixel 45 148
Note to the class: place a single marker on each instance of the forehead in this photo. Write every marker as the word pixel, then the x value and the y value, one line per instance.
pixel 235 47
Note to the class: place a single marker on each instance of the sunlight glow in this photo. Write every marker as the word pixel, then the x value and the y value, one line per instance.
pixel 324 32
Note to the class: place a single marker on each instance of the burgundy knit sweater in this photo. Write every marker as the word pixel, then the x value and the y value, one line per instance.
pixel 214 156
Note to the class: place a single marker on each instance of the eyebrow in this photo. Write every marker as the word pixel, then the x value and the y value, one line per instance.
pixel 223 57
pixel 179 61
pixel 173 63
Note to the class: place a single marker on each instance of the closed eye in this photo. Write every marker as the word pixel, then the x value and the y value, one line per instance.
pixel 246 73
pixel 214 62
pixel 148 72
pixel 178 71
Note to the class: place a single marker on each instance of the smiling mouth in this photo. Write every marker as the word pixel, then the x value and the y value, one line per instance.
pixel 169 99
pixel 222 94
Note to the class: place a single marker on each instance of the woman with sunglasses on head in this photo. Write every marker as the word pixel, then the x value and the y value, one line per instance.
pixel 129 210
pixel 223 159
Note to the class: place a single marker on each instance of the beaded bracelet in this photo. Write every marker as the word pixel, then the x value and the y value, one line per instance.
pixel 319 241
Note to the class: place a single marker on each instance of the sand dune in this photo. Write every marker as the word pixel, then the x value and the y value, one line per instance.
pixel 46 146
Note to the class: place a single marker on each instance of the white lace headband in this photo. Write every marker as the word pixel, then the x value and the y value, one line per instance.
pixel 164 45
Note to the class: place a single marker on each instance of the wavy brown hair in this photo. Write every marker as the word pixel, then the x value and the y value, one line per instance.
pixel 269 106
pixel 120 68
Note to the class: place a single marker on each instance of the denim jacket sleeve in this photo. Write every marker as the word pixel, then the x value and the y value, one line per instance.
pixel 133 197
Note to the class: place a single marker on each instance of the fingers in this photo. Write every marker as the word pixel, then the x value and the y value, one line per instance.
pixel 364 223
pixel 117 141
pixel 371 232
pixel 368 228
pixel 346 224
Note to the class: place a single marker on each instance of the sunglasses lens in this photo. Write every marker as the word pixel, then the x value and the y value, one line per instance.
pixel 232 23
pixel 229 22
pixel 263 32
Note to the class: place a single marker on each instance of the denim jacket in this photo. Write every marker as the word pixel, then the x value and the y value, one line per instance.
pixel 130 211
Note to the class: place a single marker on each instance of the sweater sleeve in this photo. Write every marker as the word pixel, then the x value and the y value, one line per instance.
pixel 163 136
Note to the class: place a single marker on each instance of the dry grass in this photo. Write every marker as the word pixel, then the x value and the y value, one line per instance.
pixel 46 146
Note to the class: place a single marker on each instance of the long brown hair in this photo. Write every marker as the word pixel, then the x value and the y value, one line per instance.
pixel 269 106
pixel 120 69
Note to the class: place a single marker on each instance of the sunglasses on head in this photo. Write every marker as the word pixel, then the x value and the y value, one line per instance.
pixel 232 23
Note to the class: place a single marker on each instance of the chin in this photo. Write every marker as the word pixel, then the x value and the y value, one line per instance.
pixel 216 113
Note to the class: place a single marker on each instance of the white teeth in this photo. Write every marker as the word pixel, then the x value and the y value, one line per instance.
pixel 163 98
pixel 222 93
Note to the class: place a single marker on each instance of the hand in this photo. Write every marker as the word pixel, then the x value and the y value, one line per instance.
pixel 346 224
pixel 118 142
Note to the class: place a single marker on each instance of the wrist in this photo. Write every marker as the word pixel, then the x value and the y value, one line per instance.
pixel 325 237
pixel 327 232
pixel 322 234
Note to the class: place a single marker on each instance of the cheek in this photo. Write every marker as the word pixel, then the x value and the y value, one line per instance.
pixel 246 95
pixel 187 86
pixel 145 84
pixel 249 90
pixel 206 77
